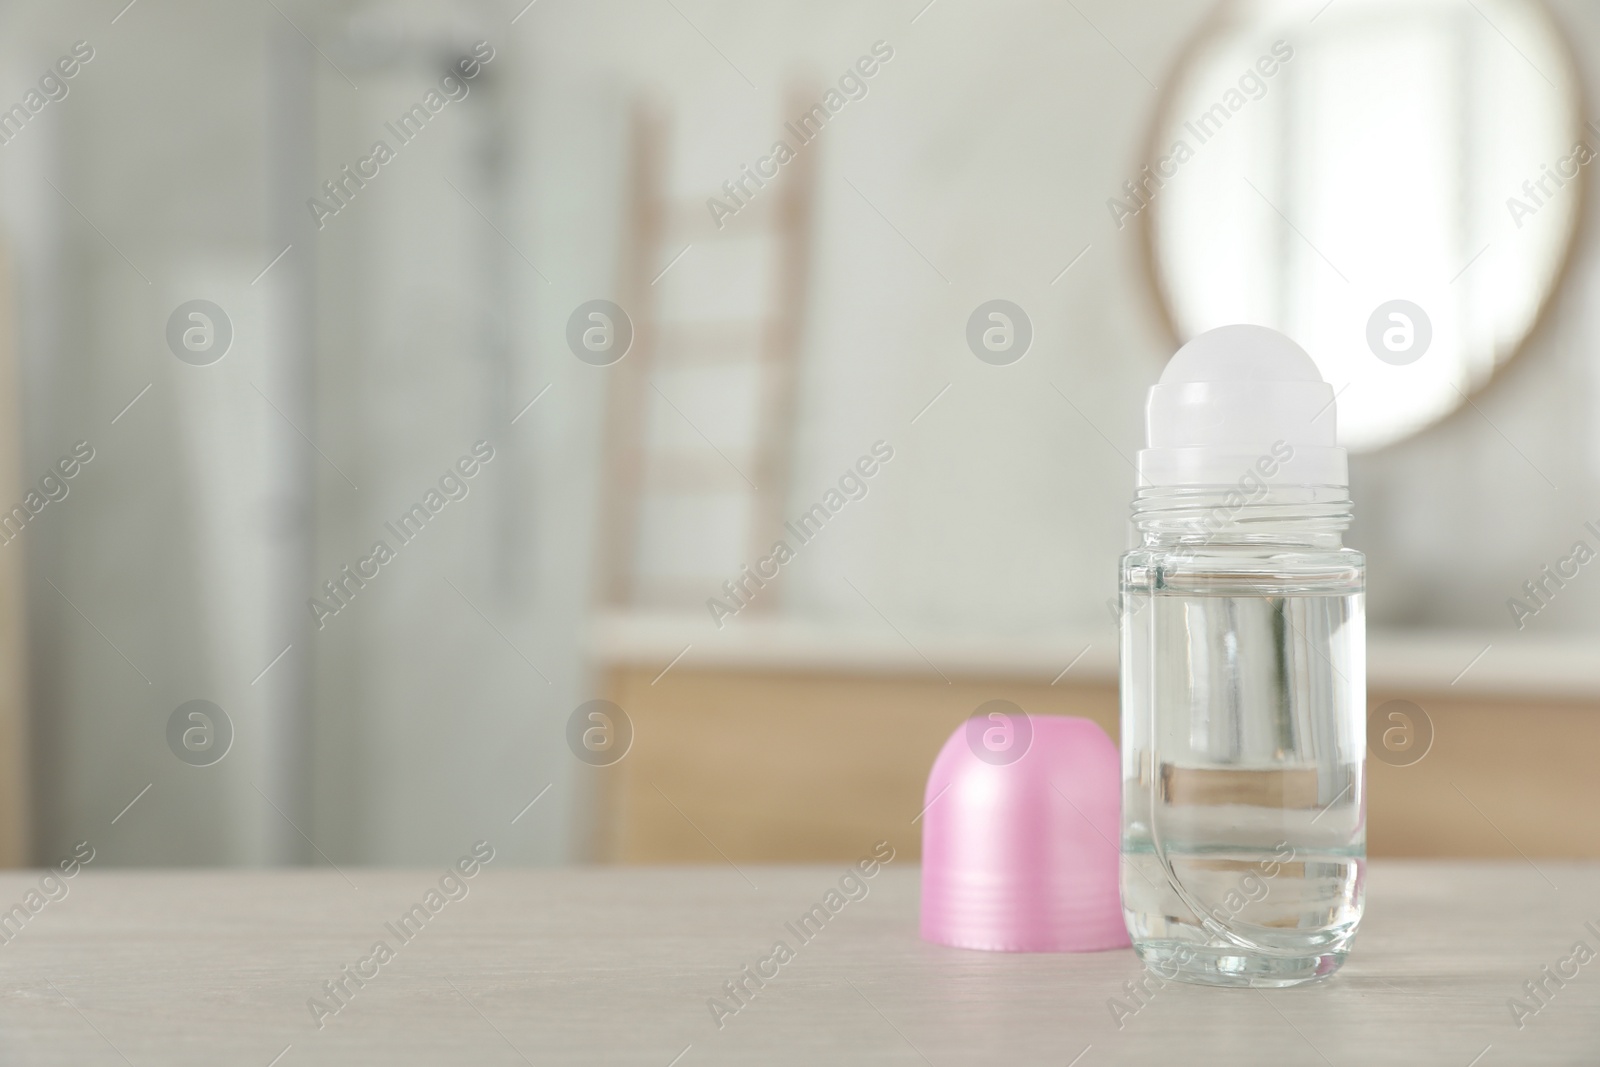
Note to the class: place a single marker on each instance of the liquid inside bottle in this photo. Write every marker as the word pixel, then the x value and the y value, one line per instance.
pixel 1243 723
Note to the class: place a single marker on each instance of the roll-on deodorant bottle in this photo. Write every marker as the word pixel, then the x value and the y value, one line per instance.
pixel 1243 673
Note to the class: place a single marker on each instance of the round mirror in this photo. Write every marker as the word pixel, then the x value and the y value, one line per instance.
pixel 1395 184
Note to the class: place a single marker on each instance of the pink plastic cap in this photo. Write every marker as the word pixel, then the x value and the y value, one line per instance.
pixel 1019 836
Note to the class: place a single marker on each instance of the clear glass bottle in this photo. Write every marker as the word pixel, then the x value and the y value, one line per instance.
pixel 1243 705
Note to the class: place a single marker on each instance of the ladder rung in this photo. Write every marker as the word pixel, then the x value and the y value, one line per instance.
pixel 692 218
pixel 712 342
pixel 680 473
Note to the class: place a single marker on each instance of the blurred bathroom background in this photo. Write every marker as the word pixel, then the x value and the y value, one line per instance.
pixel 785 321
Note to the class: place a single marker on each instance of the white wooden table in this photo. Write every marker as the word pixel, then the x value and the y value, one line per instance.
pixel 616 966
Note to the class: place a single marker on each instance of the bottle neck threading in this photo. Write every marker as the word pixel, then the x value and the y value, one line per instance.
pixel 1299 516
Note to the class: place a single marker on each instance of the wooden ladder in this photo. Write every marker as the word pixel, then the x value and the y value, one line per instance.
pixel 767 339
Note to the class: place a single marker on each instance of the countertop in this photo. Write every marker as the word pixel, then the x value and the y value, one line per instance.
pixel 617 966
